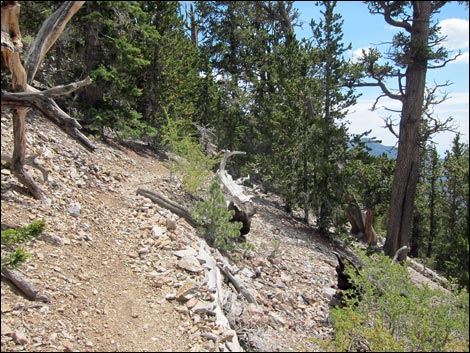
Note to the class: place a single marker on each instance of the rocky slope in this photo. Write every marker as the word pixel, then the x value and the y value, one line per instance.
pixel 119 269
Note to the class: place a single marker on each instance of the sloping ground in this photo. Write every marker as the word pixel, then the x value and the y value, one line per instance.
pixel 114 279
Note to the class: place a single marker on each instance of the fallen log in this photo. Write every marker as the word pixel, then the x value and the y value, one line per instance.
pixel 215 286
pixel 24 286
pixel 427 272
pixel 237 284
pixel 164 202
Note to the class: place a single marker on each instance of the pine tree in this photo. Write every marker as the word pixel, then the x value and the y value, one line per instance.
pixel 427 205
pixel 171 78
pixel 452 245
pixel 214 218
pixel 224 28
pixel 330 135
pixel 416 47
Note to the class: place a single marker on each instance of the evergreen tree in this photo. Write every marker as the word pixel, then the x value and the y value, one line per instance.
pixel 171 79
pixel 112 57
pixel 330 136
pixel 427 204
pixel 224 28
pixel 370 180
pixel 415 48
pixel 452 244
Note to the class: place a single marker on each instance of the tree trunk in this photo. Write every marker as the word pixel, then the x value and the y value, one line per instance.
pixel 407 164
pixel 354 214
pixel 10 26
pixel 432 202
pixel 238 200
pixel 92 54
pixel 370 233
pixel 21 77
pixel 361 222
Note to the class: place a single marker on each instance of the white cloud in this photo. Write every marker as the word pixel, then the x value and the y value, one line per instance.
pixel 362 119
pixel 357 54
pixel 456 30
pixel 461 59
pixel 456 98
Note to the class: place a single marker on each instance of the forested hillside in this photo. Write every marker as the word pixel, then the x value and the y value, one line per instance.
pixel 193 80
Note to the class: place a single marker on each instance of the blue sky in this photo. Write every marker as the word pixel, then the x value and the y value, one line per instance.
pixel 364 30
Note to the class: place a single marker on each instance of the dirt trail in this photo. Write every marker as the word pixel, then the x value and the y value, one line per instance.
pixel 100 299
pixel 112 273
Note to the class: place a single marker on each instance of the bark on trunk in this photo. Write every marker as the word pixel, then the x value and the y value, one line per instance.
pixel 361 222
pixel 407 165
pixel 24 286
pixel 162 201
pixel 21 79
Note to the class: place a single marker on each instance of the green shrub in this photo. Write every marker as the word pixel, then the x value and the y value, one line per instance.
pixel 395 315
pixel 12 237
pixel 214 218
pixel 194 166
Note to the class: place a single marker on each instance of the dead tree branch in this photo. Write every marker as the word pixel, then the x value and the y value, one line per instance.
pixel 162 201
pixel 21 79
pixel 24 286
pixel 31 161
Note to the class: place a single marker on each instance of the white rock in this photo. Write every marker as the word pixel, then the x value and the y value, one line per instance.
pixel 75 209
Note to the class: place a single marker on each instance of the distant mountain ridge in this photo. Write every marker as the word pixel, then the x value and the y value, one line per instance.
pixel 377 149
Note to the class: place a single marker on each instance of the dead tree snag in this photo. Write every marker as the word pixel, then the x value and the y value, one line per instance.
pixel 237 199
pixel 25 96
pixel 361 222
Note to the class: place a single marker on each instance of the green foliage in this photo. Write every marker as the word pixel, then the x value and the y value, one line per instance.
pixel 395 315
pixel 190 160
pixel 370 181
pixel 452 243
pixel 11 238
pixel 250 79
pixel 440 224
pixel 214 218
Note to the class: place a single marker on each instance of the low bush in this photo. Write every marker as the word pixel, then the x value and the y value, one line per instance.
pixel 392 314
pixel 215 218
pixel 14 254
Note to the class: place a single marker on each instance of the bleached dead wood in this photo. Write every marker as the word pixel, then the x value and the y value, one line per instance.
pixel 24 286
pixel 31 161
pixel 164 202
pixel 23 76
pixel 400 255
pixel 215 286
pixel 235 190
pixel 427 272
pixel 237 284
pixel 237 199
